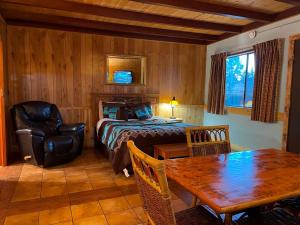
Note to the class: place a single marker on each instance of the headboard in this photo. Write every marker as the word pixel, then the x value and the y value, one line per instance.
pixel 120 97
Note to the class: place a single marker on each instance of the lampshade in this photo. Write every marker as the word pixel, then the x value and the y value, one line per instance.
pixel 173 102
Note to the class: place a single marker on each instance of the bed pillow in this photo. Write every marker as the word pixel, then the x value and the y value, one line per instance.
pixel 142 112
pixel 114 110
pixel 122 113
pixel 131 108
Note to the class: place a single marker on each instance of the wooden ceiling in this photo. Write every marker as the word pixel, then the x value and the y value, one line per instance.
pixel 187 21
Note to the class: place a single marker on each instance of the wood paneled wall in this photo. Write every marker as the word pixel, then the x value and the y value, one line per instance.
pixel 66 67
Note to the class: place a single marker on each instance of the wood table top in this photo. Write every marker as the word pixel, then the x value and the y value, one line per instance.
pixel 237 181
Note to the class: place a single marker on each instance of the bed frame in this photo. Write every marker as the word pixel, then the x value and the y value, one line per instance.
pixel 120 97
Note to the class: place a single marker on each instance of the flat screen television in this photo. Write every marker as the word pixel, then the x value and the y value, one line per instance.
pixel 123 77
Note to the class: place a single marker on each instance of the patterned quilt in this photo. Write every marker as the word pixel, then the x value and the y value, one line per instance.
pixel 145 133
pixel 116 132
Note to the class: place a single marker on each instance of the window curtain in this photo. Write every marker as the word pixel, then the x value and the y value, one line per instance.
pixel 216 94
pixel 268 62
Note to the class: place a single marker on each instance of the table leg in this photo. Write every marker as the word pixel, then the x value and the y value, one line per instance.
pixel 156 153
pixel 194 202
pixel 228 219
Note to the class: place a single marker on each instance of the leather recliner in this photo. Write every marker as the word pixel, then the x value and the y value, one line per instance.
pixel 43 138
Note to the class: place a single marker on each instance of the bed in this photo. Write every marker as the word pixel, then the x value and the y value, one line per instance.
pixel 112 134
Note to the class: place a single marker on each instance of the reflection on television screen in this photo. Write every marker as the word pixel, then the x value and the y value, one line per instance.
pixel 122 77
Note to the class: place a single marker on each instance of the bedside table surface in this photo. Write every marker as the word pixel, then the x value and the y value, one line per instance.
pixel 171 150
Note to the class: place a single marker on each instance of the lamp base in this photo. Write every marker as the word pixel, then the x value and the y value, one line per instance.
pixel 172 117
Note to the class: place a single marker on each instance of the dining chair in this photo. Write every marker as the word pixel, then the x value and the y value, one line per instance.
pixel 153 187
pixel 208 140
pixel 292 205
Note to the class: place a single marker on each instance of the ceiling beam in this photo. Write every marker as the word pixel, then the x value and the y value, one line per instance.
pixel 14 17
pixel 216 9
pixel 96 10
pixel 280 16
pixel 292 2
pixel 92 24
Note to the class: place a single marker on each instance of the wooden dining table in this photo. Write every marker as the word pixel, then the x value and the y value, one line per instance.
pixel 235 182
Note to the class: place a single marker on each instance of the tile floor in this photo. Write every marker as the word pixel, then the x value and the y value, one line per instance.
pixel 83 192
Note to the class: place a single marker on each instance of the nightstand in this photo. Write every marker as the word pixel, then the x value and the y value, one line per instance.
pixel 168 151
pixel 179 120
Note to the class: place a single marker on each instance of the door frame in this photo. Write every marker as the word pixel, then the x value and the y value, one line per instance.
pixel 3 155
pixel 291 56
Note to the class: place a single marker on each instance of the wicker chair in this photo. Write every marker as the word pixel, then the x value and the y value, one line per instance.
pixel 292 205
pixel 208 140
pixel 153 186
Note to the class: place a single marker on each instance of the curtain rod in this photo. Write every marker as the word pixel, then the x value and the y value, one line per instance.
pixel 240 51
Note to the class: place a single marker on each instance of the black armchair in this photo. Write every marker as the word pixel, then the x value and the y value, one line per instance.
pixel 43 138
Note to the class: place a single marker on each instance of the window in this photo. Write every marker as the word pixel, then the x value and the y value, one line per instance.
pixel 239 80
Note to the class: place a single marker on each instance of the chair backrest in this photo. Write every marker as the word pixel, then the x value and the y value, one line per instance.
pixel 37 114
pixel 208 140
pixel 153 186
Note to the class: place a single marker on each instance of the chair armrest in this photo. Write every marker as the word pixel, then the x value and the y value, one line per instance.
pixel 71 127
pixel 35 132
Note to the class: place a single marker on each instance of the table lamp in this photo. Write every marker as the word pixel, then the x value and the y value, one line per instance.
pixel 173 103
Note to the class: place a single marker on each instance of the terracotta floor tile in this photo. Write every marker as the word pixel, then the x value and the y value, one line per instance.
pixel 26 191
pixel 39 204
pixel 134 200
pixel 75 171
pixel 129 189
pixel 100 172
pixel 11 171
pixel 77 178
pixel 139 212
pixel 86 210
pixel 95 220
pixel 94 195
pixel 101 182
pixel 113 205
pixel 65 223
pixel 53 216
pixel 24 219
pixel 173 196
pixel 31 178
pixel 179 205
pixel 28 170
pixel 53 189
pixel 8 187
pixel 127 217
pixel 54 177
pixel 79 186
pixel 122 181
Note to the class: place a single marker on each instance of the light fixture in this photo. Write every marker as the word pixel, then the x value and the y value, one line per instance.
pixel 173 103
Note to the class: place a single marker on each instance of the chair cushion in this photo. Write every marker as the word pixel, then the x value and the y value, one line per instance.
pixel 37 110
pixel 196 216
pixel 59 144
pixel 72 127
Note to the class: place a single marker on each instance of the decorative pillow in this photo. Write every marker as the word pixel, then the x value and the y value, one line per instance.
pixel 131 108
pixel 111 109
pixel 142 112
pixel 149 108
pixel 122 113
